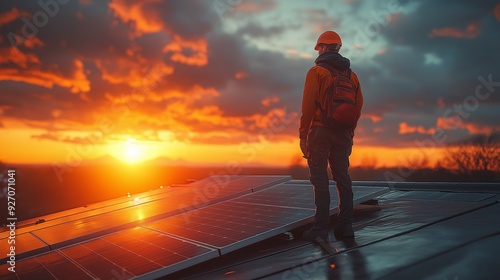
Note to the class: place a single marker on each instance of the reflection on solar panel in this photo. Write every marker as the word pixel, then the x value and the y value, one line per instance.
pixel 251 218
pixel 301 195
pixel 188 226
pixel 230 225
pixel 120 255
pixel 81 226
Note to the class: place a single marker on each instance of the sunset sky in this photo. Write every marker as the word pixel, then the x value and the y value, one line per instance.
pixel 221 81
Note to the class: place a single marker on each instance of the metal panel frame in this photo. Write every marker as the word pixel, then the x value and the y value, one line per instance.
pixel 179 266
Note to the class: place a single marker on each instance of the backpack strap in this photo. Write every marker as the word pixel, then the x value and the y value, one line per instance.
pixel 330 69
pixel 334 74
pixel 334 71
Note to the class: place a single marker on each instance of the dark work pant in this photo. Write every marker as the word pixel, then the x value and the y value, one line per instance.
pixel 326 146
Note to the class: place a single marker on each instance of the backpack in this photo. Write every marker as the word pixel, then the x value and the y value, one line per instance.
pixel 340 108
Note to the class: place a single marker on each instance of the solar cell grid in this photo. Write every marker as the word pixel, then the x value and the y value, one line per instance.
pixel 163 246
pixel 81 226
pixel 89 227
pixel 287 195
pixel 231 222
pixel 97 265
pixel 123 257
pixel 25 243
pixel 129 253
pixel 94 209
pixel 47 266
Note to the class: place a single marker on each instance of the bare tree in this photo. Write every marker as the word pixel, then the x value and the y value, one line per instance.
pixel 478 159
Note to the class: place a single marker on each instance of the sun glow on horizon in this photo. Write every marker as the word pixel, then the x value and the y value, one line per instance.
pixel 133 151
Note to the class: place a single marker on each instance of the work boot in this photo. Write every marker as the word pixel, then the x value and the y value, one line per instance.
pixel 342 231
pixel 315 234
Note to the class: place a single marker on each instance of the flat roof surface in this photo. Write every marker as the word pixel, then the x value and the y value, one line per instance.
pixel 250 228
pixel 427 232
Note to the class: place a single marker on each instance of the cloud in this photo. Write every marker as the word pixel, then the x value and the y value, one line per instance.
pixel 418 77
pixel 189 52
pixel 472 31
pixel 405 128
pixel 319 21
pixel 255 6
pixel 141 15
pixel 11 15
pixel 257 31
pixel 76 82
pixel 192 19
pixel 217 83
pixel 496 11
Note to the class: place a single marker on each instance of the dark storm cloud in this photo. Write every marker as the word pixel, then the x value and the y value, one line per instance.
pixel 264 73
pixel 257 31
pixel 434 60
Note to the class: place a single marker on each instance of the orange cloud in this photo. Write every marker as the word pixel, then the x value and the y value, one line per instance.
pixel 405 128
pixel 11 15
pixel 270 100
pixel 143 23
pixel 77 83
pixel 33 42
pixel 472 31
pixel 197 47
pixel 458 123
pixel 268 119
pixel 448 123
pixel 295 53
pixel 255 6
pixel 373 118
pixel 480 129
pixel 193 116
pixel 130 70
pixel 17 57
pixel 496 11
pixel 240 75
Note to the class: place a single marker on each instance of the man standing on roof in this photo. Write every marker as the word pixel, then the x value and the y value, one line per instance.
pixel 324 144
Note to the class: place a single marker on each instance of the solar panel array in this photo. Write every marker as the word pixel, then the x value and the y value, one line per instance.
pixel 173 231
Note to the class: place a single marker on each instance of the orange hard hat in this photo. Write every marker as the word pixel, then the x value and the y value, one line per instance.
pixel 328 37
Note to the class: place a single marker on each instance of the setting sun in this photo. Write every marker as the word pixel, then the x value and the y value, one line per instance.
pixel 132 151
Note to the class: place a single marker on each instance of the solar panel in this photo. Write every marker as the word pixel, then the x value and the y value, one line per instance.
pixel 437 195
pixel 121 255
pixel 91 210
pixel 285 195
pixel 214 178
pixel 234 224
pixel 47 266
pixel 26 245
pixel 235 213
pixel 83 226
pixel 112 205
pixel 301 195
pixel 230 225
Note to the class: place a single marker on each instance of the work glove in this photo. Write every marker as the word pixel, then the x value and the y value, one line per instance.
pixel 303 147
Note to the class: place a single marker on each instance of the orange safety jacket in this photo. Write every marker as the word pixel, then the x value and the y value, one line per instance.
pixel 318 80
